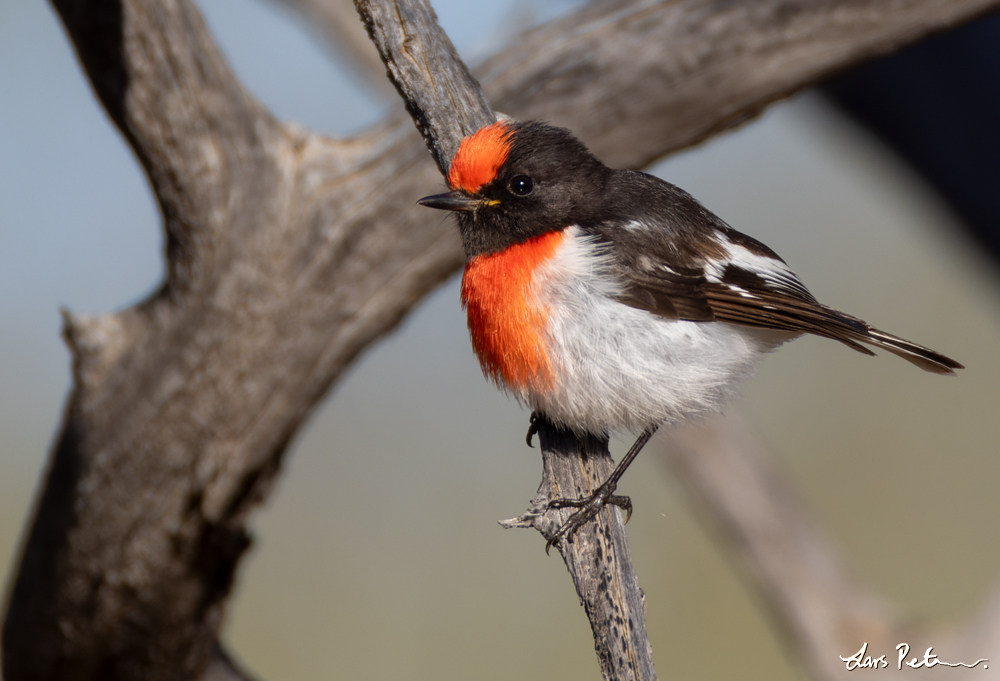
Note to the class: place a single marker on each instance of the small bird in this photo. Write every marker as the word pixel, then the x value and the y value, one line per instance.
pixel 611 300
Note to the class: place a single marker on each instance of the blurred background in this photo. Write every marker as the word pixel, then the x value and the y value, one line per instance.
pixel 346 581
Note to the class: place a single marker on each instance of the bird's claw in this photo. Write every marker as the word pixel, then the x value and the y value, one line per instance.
pixel 589 508
pixel 532 427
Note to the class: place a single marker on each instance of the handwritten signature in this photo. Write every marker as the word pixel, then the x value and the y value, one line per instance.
pixel 861 660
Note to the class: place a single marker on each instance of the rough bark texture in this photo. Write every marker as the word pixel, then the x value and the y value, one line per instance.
pixel 598 557
pixel 289 253
pixel 439 93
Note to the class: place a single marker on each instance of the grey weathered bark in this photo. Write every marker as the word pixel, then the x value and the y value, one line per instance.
pixel 441 96
pixel 285 260
pixel 598 556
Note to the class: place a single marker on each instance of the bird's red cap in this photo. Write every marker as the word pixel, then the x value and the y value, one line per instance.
pixel 479 157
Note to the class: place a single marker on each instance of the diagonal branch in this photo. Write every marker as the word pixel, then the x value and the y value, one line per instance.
pixel 598 557
pixel 439 93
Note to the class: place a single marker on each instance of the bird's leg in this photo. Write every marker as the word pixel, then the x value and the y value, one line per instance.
pixel 605 494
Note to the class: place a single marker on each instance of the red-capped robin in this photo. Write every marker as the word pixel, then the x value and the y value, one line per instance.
pixel 612 300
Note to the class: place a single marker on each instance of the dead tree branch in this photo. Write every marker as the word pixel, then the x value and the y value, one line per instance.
pixel 441 96
pixel 286 260
pixel 598 558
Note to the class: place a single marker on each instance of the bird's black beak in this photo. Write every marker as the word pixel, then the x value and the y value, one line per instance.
pixel 456 200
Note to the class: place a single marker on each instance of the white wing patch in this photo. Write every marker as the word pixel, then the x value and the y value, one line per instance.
pixel 775 272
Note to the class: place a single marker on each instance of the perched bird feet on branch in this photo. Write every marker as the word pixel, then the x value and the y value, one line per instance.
pixel 589 508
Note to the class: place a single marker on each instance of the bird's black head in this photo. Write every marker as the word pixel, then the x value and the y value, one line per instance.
pixel 514 181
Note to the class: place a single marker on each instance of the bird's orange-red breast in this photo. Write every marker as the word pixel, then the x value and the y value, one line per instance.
pixel 507 320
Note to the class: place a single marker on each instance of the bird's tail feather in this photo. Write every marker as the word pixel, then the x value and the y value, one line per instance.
pixel 925 358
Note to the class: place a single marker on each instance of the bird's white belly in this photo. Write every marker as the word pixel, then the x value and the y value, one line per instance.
pixel 622 368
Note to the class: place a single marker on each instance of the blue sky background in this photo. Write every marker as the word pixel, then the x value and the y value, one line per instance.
pixel 899 465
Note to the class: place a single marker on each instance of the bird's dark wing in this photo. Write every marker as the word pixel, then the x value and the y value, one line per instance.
pixel 719 274
pixel 673 292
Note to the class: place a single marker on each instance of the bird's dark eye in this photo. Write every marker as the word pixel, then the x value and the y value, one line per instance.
pixel 521 185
